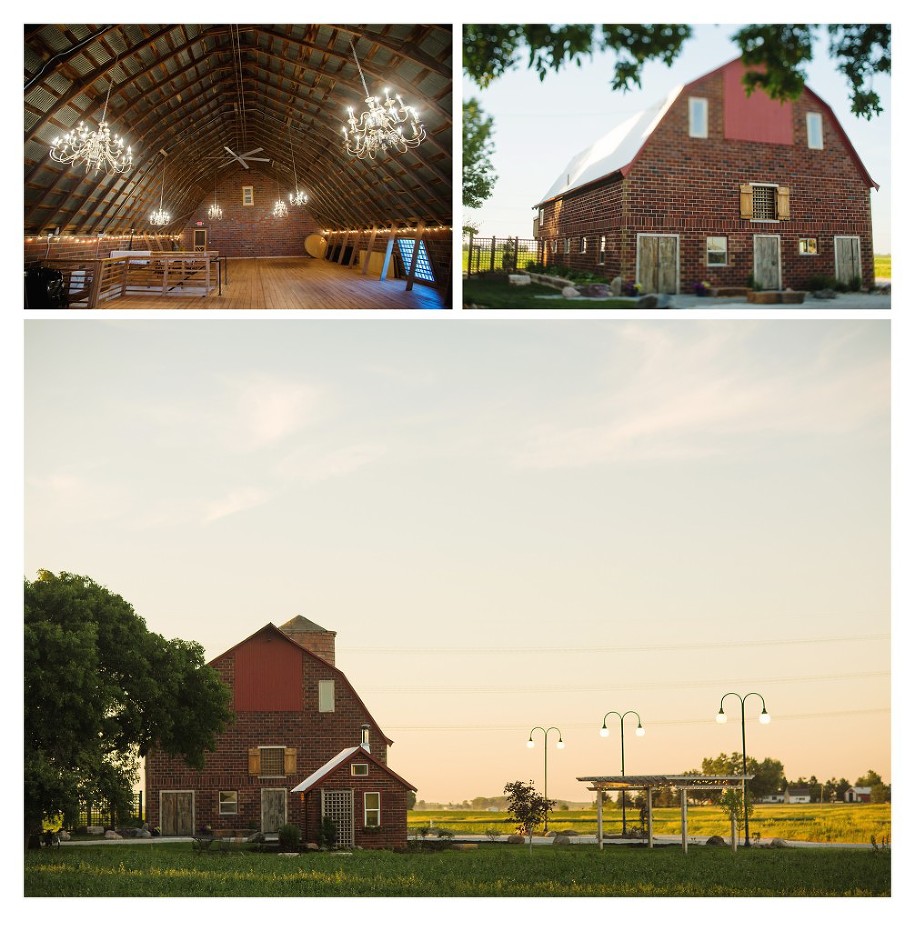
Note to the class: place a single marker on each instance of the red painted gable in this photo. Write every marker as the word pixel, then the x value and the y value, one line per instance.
pixel 757 118
pixel 268 674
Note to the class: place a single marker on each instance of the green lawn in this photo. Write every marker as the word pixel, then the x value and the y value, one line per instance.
pixel 493 870
pixel 499 295
pixel 853 824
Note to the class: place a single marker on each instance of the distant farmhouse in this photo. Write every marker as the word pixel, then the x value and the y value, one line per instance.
pixel 712 186
pixel 303 747
pixel 858 794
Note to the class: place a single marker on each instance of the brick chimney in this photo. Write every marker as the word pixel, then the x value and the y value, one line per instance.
pixel 314 638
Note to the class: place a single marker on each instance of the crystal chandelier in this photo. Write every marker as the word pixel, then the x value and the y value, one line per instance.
pixel 381 127
pixel 98 149
pixel 161 217
pixel 215 211
pixel 298 198
pixel 280 210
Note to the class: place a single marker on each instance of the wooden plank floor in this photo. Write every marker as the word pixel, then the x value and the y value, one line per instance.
pixel 294 284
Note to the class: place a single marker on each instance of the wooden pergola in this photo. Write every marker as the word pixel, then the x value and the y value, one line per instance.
pixel 685 784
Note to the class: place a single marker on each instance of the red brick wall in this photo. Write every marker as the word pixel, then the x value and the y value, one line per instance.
pixel 692 187
pixel 393 830
pixel 251 232
pixel 316 736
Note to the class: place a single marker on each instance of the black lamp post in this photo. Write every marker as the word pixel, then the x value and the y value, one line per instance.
pixel 722 718
pixel 639 732
pixel 559 746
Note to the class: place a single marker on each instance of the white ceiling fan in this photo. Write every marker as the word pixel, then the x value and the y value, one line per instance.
pixel 250 156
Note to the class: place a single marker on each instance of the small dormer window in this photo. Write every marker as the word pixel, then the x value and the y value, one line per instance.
pixel 814 130
pixel 698 117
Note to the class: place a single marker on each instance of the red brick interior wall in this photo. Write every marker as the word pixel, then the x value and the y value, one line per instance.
pixel 692 187
pixel 251 232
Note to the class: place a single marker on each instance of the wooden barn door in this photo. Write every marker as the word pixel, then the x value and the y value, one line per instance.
pixel 767 262
pixel 177 814
pixel 273 810
pixel 658 263
pixel 338 806
pixel 848 259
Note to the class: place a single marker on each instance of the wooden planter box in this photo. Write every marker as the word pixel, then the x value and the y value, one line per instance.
pixel 776 297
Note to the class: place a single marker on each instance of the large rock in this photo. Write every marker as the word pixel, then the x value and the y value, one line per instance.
pixel 515 839
pixel 616 286
pixel 778 842
pixel 562 839
pixel 647 302
pixel 716 841
pixel 569 291
pixel 112 835
pixel 594 290
pixel 519 279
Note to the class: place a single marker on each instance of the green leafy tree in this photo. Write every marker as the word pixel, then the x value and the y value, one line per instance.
pixel 879 791
pixel 526 807
pixel 479 177
pixel 768 775
pixel 100 690
pixel 776 53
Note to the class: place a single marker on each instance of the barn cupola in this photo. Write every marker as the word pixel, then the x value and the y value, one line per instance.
pixel 311 636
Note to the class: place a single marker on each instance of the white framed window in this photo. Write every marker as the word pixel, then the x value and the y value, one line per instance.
pixel 567 246
pixel 814 130
pixel 359 769
pixel 326 695
pixel 584 245
pixel 807 246
pixel 228 803
pixel 716 250
pixel 540 216
pixel 372 809
pixel 698 117
pixel 602 252
pixel 247 195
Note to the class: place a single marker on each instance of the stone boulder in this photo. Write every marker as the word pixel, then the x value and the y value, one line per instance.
pixel 112 835
pixel 562 839
pixel 519 279
pixel 568 291
pixel 516 839
pixel 594 290
pixel 616 286
pixel 778 842
pixel 716 841
pixel 647 302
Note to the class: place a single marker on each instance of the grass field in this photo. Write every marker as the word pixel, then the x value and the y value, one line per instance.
pixel 492 870
pixel 883 266
pixel 852 824
pixel 497 295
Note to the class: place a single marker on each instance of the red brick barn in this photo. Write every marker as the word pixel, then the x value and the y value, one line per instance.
pixel 713 186
pixel 295 714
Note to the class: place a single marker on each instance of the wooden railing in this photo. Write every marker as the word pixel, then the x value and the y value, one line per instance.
pixel 91 282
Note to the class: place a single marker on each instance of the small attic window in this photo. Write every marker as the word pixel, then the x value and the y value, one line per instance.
pixel 814 130
pixel 698 118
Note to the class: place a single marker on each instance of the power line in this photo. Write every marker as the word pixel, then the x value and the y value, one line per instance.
pixel 655 648
pixel 616 687
pixel 590 724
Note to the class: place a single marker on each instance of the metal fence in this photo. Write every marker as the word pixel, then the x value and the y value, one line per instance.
pixel 493 255
pixel 89 816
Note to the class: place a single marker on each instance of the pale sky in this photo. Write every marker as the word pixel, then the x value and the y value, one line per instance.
pixel 510 524
pixel 540 126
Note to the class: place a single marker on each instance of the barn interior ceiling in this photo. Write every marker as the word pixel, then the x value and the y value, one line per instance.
pixel 208 99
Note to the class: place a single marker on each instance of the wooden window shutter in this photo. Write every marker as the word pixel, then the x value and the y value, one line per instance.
pixel 746 201
pixel 289 761
pixel 784 204
pixel 254 762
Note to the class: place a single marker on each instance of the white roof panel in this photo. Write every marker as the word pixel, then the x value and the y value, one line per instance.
pixel 613 151
pixel 328 767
